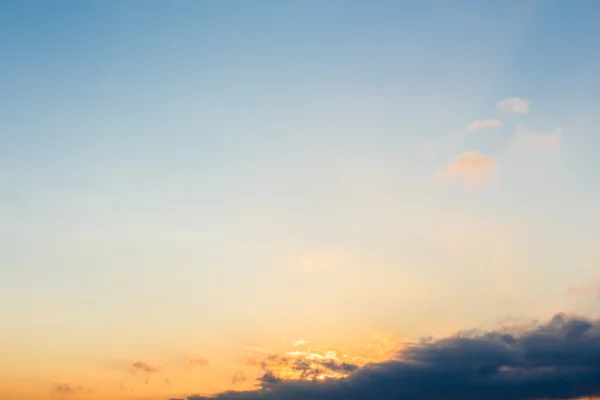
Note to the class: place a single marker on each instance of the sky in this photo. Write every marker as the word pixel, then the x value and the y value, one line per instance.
pixel 299 200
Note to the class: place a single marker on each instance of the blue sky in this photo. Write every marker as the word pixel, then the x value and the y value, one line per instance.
pixel 245 172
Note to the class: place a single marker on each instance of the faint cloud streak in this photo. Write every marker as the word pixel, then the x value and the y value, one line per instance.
pixel 524 139
pixel 197 362
pixel 588 289
pixel 144 367
pixel 515 105
pixel 238 377
pixel 66 389
pixel 478 125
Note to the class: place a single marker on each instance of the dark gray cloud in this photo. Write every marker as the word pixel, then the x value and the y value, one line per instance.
pixel 556 360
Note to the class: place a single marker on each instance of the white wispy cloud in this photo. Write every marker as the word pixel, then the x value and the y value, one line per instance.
pixel 483 124
pixel 515 105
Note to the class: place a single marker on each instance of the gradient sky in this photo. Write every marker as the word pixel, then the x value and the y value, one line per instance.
pixel 188 180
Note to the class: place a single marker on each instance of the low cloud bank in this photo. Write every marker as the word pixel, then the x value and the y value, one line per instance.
pixel 559 359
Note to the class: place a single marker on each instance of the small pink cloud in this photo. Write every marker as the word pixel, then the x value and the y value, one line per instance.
pixel 468 169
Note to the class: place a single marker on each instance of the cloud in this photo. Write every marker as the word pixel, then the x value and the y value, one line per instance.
pixel 144 367
pixel 300 342
pixel 514 105
pixel 524 139
pixel 469 169
pixel 483 124
pixel 308 365
pixel 238 377
pixel 65 388
pixel 559 359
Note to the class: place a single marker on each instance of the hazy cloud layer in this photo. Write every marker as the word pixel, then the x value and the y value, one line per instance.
pixel 588 289
pixel 514 105
pixel 478 125
pixel 556 360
